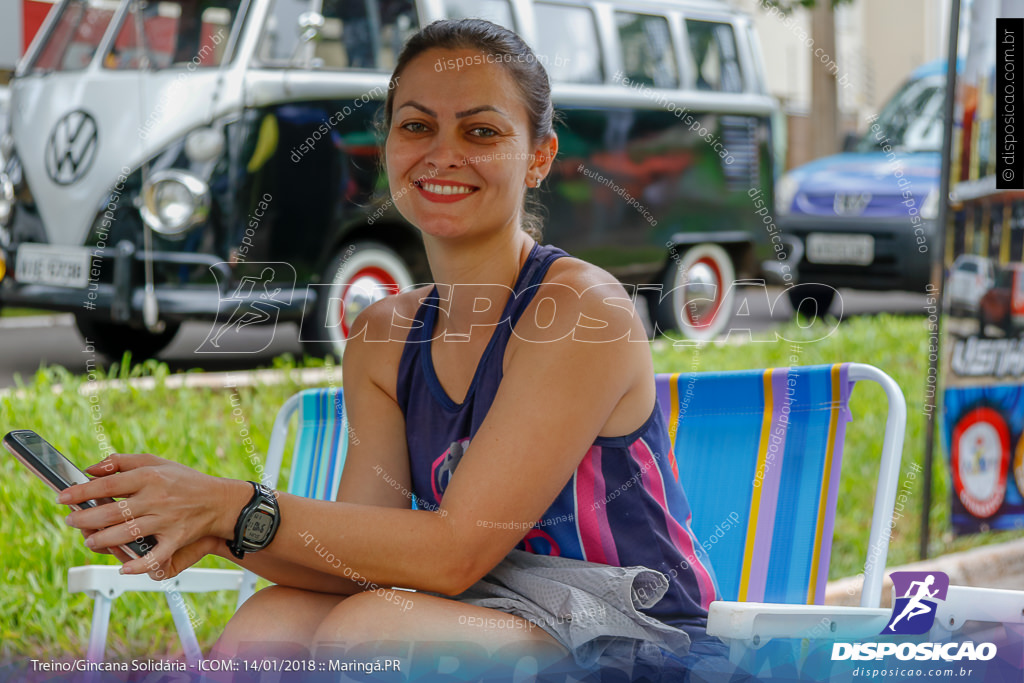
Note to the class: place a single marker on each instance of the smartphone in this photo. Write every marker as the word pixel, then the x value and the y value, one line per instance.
pixel 47 463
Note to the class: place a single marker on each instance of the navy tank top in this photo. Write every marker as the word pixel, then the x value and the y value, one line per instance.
pixel 624 505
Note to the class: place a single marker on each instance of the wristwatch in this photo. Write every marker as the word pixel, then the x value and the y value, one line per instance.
pixel 257 523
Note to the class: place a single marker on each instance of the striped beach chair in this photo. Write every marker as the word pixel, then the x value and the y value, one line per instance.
pixel 781 429
pixel 321 444
pixel 759 454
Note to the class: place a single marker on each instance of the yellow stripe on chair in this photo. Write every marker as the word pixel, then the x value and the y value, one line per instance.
pixel 826 477
pixel 755 499
pixel 673 421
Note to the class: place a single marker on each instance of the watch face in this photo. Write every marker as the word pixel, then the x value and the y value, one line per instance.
pixel 257 527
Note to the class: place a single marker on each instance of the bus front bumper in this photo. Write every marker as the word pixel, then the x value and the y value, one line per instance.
pixel 123 300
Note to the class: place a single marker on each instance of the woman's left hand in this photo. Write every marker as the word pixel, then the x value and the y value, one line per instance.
pixel 174 503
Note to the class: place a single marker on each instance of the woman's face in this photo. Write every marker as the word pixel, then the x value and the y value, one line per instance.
pixel 459 153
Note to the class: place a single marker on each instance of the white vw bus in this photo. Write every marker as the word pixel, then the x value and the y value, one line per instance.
pixel 162 153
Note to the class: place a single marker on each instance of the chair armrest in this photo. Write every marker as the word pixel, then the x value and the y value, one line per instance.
pixel 757 622
pixel 966 603
pixel 104 579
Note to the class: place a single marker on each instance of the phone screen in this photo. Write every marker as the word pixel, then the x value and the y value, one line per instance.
pixel 50 459
pixel 50 464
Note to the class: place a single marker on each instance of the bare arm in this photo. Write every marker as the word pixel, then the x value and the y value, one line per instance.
pixel 375 474
pixel 553 401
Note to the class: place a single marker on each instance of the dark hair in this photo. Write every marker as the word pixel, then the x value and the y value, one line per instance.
pixel 513 54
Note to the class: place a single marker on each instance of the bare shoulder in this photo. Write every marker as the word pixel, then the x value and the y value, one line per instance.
pixel 389 319
pixel 570 268
pixel 580 297
pixel 378 335
pixel 591 328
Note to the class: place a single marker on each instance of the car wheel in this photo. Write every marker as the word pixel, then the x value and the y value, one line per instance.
pixel 114 339
pixel 697 294
pixel 359 275
pixel 811 300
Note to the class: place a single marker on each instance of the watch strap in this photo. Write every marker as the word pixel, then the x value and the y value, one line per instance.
pixel 261 496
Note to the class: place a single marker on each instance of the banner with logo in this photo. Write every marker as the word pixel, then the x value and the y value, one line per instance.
pixel 908 642
pixel 983 360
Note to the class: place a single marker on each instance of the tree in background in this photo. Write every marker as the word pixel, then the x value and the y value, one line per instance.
pixel 824 102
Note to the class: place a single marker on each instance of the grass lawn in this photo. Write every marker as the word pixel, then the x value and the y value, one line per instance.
pixel 18 312
pixel 39 618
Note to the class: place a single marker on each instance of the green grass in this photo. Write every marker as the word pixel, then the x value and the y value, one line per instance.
pixel 18 312
pixel 38 617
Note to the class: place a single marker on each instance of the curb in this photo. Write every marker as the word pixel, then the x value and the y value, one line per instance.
pixel 329 376
pixel 30 321
pixel 991 566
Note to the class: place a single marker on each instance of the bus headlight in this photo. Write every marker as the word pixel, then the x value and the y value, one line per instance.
pixel 173 202
pixel 6 200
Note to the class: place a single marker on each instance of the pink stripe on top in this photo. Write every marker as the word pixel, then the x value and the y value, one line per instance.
pixel 681 538
pixel 592 511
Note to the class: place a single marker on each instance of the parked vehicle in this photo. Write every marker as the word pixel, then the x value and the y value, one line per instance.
pixel 165 156
pixel 866 218
pixel 969 278
pixel 5 104
pixel 6 188
pixel 1003 304
pixel 5 100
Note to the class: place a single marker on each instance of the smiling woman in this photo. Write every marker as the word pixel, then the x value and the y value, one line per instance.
pixel 549 520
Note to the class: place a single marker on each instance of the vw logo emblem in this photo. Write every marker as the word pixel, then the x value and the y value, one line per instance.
pixel 71 148
pixel 851 204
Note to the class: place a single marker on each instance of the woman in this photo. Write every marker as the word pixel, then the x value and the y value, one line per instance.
pixel 509 398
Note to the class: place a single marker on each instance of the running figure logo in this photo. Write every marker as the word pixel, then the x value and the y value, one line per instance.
pixel 914 612
pixel 256 301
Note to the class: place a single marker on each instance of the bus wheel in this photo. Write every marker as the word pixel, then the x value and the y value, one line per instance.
pixel 811 300
pixel 697 293
pixel 113 339
pixel 359 275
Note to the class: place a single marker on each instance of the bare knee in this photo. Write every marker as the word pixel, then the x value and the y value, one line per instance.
pixel 363 618
pixel 388 623
pixel 278 617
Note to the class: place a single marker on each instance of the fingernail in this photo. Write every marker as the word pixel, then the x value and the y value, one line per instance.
pixel 124 570
pixel 62 497
pixel 89 543
pixel 67 520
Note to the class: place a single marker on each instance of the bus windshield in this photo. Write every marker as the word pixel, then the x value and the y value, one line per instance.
pixel 155 34
pixel 175 33
pixel 75 36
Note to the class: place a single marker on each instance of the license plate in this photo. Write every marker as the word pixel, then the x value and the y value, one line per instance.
pixel 59 266
pixel 858 250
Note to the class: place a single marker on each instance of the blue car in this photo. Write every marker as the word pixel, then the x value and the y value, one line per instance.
pixel 866 218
